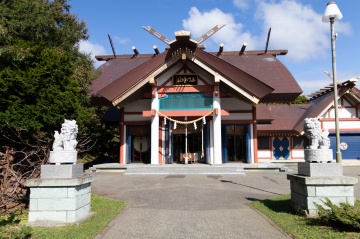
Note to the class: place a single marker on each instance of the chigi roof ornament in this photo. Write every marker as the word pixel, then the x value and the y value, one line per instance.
pixel 183 33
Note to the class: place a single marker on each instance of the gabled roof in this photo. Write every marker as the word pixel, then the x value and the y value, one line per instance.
pixel 321 103
pixel 268 69
pixel 262 76
pixel 289 119
pixel 238 76
pixel 284 118
pixel 114 68
pixel 123 81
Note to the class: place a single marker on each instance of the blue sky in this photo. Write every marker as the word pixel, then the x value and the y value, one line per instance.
pixel 296 26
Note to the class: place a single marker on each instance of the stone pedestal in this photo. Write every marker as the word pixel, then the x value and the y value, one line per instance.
pixel 60 201
pixel 320 169
pixel 318 155
pixel 308 191
pixel 62 171
pixel 63 156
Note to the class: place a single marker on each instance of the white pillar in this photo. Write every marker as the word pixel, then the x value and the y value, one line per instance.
pixel 252 153
pixel 163 143
pixel 155 128
pixel 217 126
pixel 125 148
pixel 211 156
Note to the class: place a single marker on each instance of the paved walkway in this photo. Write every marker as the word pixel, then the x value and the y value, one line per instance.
pixel 193 206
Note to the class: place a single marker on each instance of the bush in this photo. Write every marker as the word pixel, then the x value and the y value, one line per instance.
pixel 344 216
pixel 10 228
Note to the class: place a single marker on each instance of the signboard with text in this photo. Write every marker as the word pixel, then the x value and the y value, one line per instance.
pixel 185 79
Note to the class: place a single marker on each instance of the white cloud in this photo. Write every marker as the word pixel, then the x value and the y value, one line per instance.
pixel 294 26
pixel 232 35
pixel 93 49
pixel 241 4
pixel 122 40
pixel 298 28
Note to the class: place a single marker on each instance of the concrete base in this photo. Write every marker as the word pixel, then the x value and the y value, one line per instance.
pixel 63 156
pixel 320 169
pixel 318 155
pixel 62 171
pixel 59 201
pixel 308 191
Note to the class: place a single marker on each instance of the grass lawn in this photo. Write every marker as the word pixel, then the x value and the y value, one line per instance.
pixel 279 211
pixel 105 210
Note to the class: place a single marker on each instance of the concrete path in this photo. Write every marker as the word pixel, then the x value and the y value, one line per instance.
pixel 193 206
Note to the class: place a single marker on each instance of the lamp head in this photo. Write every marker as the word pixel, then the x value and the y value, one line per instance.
pixel 332 11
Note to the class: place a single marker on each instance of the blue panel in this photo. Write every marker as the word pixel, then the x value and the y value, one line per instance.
pixel 248 144
pixel 224 144
pixel 281 148
pixel 185 101
pixel 128 142
pixel 353 142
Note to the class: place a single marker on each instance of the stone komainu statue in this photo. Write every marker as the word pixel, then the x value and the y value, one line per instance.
pixel 66 139
pixel 317 138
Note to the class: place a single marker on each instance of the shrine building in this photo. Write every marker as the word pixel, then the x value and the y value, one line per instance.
pixel 188 105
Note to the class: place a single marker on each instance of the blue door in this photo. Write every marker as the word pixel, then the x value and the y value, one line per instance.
pixel 281 148
pixel 352 141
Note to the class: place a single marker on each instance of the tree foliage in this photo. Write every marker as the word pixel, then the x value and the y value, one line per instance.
pixel 44 78
pixel 301 99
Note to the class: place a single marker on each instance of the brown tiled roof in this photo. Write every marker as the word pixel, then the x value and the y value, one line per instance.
pixel 263 76
pixel 284 116
pixel 258 73
pixel 122 82
pixel 268 69
pixel 244 80
pixel 114 68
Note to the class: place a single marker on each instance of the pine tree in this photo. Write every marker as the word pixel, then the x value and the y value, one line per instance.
pixel 44 78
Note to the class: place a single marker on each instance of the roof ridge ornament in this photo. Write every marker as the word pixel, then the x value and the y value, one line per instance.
pixel 180 33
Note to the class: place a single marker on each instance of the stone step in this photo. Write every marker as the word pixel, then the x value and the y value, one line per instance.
pixel 188 169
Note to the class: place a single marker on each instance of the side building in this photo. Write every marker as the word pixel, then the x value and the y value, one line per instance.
pixel 280 127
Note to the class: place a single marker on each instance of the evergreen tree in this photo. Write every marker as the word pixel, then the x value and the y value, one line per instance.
pixel 44 78
pixel 301 99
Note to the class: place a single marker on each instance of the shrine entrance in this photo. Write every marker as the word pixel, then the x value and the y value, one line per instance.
pixel 193 144
pixel 234 143
pixel 185 140
pixel 138 140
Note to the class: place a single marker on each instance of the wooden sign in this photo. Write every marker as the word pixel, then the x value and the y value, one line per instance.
pixel 185 79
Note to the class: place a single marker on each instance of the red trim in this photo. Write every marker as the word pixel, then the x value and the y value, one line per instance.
pixel 341 119
pixel 346 130
pixel 122 140
pixel 137 123
pixel 291 147
pixel 180 113
pixel 237 121
pixel 162 90
pixel 255 136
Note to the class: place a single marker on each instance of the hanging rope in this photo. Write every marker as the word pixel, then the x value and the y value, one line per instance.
pixel 184 122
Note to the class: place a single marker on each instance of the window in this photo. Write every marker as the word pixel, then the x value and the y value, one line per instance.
pixel 263 142
pixel 298 142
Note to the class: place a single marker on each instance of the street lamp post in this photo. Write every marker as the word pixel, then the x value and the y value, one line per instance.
pixel 332 14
